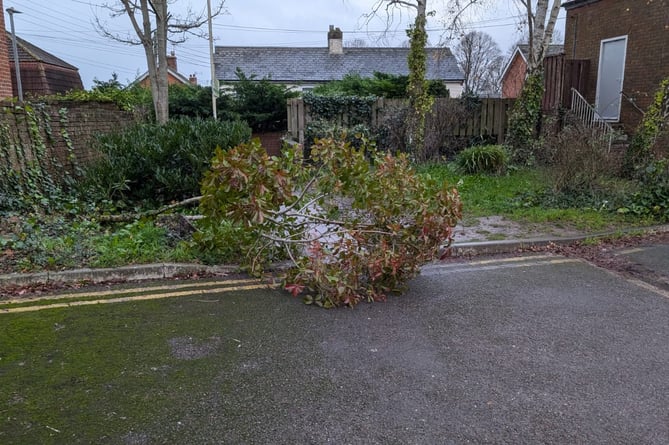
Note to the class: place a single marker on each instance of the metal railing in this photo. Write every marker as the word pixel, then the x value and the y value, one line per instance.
pixel 587 114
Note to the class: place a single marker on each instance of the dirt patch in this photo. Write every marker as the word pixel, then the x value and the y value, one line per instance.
pixel 495 228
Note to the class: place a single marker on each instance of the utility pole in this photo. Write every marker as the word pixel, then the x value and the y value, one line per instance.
pixel 19 87
pixel 214 82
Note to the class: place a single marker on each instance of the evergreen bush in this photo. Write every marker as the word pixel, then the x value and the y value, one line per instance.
pixel 157 164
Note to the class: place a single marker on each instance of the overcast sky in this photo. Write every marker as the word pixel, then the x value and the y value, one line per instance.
pixel 66 29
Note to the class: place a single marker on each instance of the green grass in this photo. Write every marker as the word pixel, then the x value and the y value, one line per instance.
pixel 521 195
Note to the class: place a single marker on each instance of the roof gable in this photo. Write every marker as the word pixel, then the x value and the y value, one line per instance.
pixel 30 53
pixel 523 50
pixel 285 64
pixel 180 77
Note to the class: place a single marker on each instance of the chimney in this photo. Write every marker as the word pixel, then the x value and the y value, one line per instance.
pixel 172 62
pixel 335 41
pixel 192 79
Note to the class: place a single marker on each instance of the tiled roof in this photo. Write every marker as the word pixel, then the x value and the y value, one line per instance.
pixel 31 53
pixel 553 50
pixel 318 65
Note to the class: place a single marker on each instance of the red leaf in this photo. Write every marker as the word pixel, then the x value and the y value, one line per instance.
pixel 294 289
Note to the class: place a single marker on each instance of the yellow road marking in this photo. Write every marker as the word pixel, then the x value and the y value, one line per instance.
pixel 135 298
pixel 126 291
pixel 512 260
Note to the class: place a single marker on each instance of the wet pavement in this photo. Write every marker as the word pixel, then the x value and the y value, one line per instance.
pixel 518 350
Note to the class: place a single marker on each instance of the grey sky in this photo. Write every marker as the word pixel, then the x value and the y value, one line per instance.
pixel 65 28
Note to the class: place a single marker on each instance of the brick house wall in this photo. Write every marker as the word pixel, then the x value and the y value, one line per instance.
pixel 5 76
pixel 514 77
pixel 646 25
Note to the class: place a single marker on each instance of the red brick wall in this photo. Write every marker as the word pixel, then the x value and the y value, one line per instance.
pixel 646 25
pixel 82 122
pixel 514 78
pixel 5 76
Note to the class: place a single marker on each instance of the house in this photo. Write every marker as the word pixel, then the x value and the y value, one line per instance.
pixel 173 75
pixel 627 44
pixel 42 73
pixel 515 70
pixel 304 68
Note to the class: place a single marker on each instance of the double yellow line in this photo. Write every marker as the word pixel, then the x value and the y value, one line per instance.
pixel 121 295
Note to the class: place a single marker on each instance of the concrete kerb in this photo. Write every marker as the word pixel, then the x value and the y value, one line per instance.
pixel 126 273
pixel 171 270
pixel 510 246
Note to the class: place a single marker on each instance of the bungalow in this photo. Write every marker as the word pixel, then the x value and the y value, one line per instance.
pixel 304 68
pixel 627 45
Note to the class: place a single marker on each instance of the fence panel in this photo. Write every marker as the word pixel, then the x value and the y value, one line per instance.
pixel 490 120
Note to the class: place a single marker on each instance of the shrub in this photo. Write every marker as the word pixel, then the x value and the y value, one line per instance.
pixel 380 85
pixel 441 123
pixel 195 101
pixel 322 129
pixel 579 160
pixel 652 199
pixel 154 163
pixel 651 139
pixel 352 230
pixel 491 159
pixel 261 103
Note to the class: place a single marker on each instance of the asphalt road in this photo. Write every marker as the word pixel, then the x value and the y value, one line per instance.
pixel 538 349
pixel 528 350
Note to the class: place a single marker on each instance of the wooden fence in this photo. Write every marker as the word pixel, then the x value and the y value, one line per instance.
pixel 488 119
pixel 560 76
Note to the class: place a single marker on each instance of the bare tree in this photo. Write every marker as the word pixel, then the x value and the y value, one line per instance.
pixel 538 24
pixel 419 98
pixel 480 59
pixel 154 27
pixel 356 43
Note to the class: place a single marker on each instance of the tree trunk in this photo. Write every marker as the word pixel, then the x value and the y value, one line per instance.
pixel 540 33
pixel 159 82
pixel 419 99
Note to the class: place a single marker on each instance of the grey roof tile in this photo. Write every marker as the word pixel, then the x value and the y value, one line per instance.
pixel 318 65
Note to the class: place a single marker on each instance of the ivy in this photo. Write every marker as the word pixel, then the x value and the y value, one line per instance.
pixel 341 109
pixel 655 120
pixel 525 119
pixel 420 100
pixel 31 176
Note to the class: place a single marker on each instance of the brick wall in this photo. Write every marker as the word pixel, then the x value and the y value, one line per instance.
pixel 81 122
pixel 646 25
pixel 514 78
pixel 5 76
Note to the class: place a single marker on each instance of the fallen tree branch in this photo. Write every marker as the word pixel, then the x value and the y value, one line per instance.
pixel 129 217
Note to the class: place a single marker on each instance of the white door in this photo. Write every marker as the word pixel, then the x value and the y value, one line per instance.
pixel 610 78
